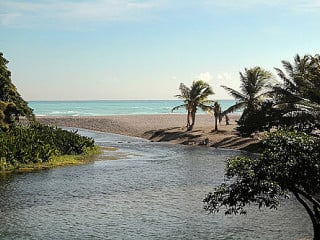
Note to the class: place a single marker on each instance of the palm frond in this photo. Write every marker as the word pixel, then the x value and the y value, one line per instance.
pixel 287 66
pixel 234 93
pixel 178 107
pixel 264 95
pixel 207 102
pixel 179 96
pixel 185 91
pixel 254 80
pixel 205 108
pixel 233 108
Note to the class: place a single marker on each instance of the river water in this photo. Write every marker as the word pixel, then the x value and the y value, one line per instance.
pixel 153 191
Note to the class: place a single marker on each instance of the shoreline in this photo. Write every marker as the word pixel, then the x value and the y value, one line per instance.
pixel 56 161
pixel 162 128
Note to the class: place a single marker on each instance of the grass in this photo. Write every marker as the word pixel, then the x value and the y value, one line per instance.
pixel 56 161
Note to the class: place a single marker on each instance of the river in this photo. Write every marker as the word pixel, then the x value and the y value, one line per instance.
pixel 153 191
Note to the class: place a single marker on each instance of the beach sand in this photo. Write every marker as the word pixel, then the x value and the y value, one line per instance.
pixel 166 127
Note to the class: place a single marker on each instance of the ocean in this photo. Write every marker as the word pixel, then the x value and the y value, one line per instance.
pixel 111 107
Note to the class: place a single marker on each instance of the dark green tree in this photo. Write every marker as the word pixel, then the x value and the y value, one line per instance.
pixel 289 163
pixel 254 89
pixel 264 118
pixel 194 97
pixel 12 105
pixel 298 96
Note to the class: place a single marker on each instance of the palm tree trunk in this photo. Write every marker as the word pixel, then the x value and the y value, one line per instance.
pixel 227 119
pixel 193 119
pixel 193 115
pixel 188 119
pixel 216 123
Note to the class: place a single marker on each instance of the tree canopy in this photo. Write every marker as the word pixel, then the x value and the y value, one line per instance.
pixel 255 83
pixel 194 97
pixel 294 101
pixel 298 96
pixel 12 105
pixel 290 163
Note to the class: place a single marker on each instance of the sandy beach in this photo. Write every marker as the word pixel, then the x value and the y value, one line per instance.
pixel 166 127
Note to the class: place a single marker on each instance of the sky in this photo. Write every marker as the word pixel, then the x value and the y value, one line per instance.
pixel 143 49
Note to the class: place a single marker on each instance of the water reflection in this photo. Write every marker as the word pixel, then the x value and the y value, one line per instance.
pixel 154 192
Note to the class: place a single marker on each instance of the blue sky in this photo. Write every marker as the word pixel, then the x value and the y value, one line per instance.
pixel 116 49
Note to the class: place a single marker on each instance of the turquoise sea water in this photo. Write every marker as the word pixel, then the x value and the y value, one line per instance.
pixel 110 107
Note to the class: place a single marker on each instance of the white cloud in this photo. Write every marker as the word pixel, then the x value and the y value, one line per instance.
pixel 105 10
pixel 8 18
pixel 295 6
pixel 227 79
pixel 309 6
pixel 205 76
pixel 15 12
pixel 40 11
pixel 218 79
pixel 224 76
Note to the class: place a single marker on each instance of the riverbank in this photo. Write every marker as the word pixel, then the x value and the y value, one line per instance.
pixel 160 128
pixel 56 161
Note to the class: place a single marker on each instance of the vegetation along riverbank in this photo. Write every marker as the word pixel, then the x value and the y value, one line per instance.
pixel 32 145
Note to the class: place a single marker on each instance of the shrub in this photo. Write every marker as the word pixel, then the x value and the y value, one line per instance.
pixel 38 143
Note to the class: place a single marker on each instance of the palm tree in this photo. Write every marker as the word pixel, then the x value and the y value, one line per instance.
pixel 298 97
pixel 254 88
pixel 194 97
pixel 217 114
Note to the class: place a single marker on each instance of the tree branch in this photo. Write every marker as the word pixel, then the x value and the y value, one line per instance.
pixel 309 211
pixel 307 196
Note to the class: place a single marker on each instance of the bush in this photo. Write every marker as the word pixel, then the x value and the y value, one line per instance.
pixel 289 163
pixel 38 143
pixel 258 120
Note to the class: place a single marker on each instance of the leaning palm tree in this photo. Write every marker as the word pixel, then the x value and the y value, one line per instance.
pixel 193 98
pixel 254 88
pixel 298 96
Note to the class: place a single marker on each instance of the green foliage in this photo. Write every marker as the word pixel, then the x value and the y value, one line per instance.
pixel 37 144
pixel 194 97
pixel 12 105
pixel 62 160
pixel 289 163
pixel 293 160
pixel 8 112
pixel 295 101
pixel 261 119
pixel 255 84
pixel 298 96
